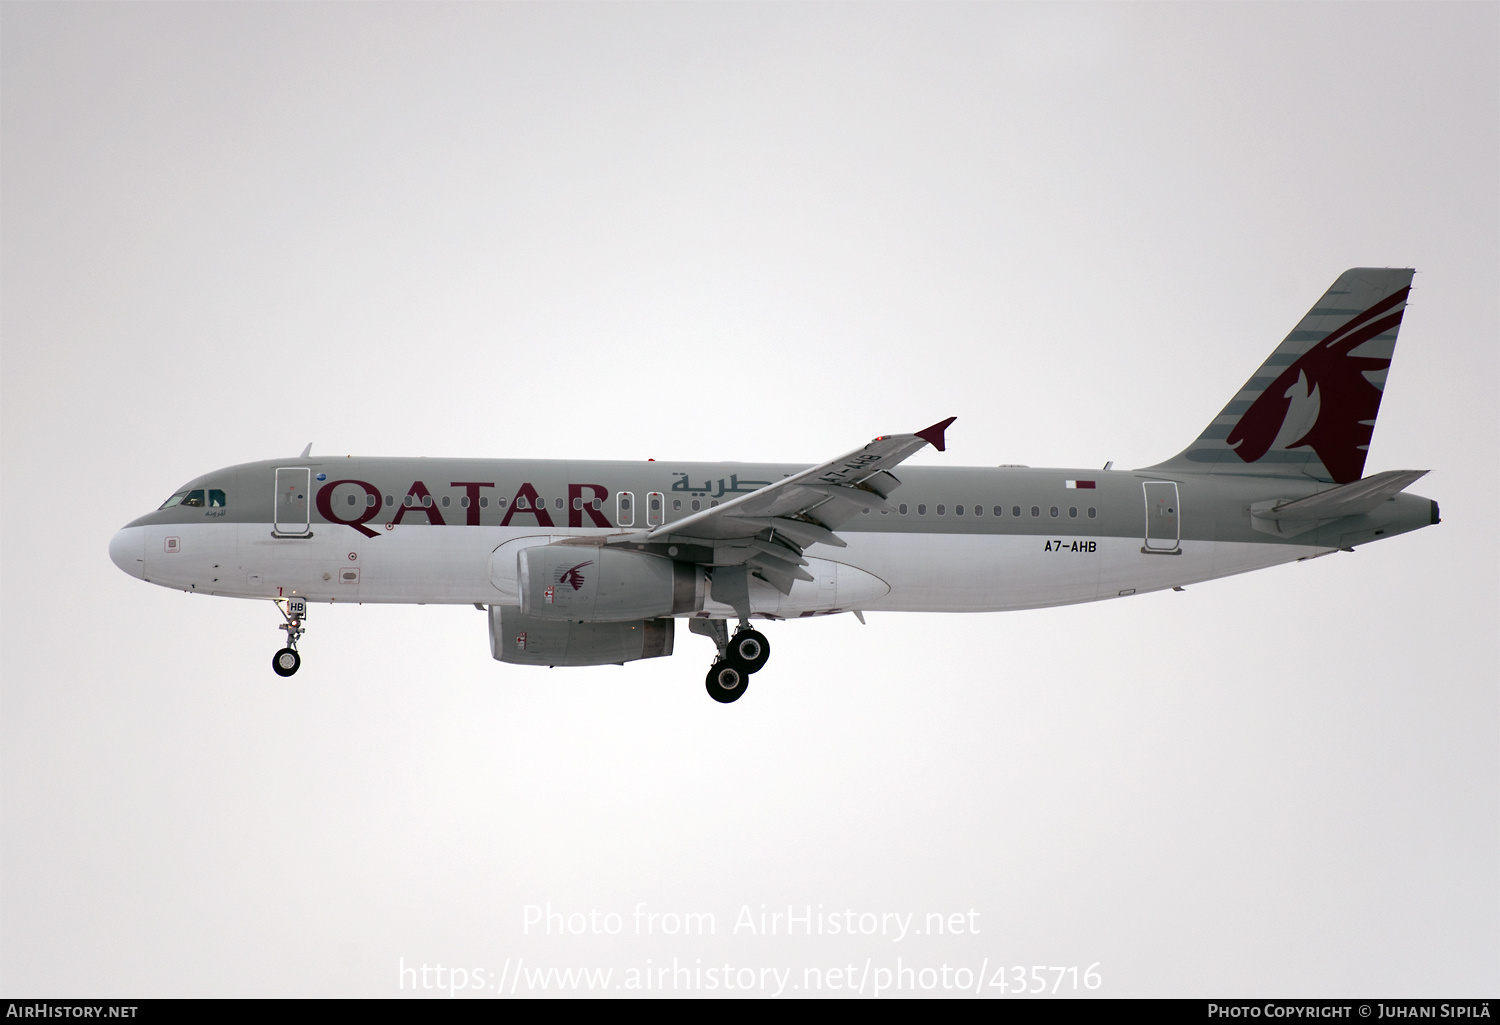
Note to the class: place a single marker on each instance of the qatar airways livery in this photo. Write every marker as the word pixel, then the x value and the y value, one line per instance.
pixel 583 563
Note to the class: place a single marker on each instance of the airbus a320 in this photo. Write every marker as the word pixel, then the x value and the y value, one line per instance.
pixel 583 563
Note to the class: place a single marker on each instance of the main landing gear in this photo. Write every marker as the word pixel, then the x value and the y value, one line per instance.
pixel 750 649
pixel 286 661
pixel 739 656
pixel 726 680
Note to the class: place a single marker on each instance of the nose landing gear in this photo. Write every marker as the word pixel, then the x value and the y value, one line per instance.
pixel 739 656
pixel 286 661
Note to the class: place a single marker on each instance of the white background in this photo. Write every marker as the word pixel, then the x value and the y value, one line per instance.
pixel 739 232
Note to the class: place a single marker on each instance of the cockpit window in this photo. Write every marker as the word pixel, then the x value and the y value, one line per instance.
pixel 194 499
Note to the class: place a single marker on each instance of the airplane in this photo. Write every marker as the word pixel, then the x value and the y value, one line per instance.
pixel 581 563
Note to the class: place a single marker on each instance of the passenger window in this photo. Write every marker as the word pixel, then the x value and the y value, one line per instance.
pixel 578 502
pixel 523 502
pixel 676 504
pixel 463 503
pixel 958 510
pixel 445 501
pixel 1073 511
pixel 942 510
pixel 696 505
pixel 426 501
pixel 351 499
pixel 999 511
pixel 389 500
pixel 979 510
pixel 557 503
pixel 216 499
pixel 1091 512
pixel 1036 510
pixel 922 510
pixel 369 500
pixel 1054 510
pixel 903 508
pixel 1015 510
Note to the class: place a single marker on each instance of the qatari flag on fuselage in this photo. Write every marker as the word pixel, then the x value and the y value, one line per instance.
pixel 1078 483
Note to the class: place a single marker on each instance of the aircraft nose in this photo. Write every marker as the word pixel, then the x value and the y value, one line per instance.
pixel 127 549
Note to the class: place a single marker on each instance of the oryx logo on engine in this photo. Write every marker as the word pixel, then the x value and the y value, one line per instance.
pixel 572 577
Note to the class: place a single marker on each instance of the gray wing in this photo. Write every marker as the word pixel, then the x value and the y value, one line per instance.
pixel 767 530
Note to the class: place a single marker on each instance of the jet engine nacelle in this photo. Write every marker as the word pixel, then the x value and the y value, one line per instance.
pixel 527 640
pixel 596 584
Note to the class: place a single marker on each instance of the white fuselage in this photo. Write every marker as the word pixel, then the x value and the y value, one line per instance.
pixel 897 571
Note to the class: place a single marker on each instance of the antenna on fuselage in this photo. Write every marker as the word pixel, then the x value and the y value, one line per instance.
pixel 306 452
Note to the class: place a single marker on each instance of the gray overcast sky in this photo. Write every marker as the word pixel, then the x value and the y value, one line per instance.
pixel 739 232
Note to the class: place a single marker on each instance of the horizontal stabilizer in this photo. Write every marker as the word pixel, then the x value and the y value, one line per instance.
pixel 1288 517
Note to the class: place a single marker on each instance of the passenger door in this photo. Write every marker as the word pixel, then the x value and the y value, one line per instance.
pixel 292 515
pixel 1163 518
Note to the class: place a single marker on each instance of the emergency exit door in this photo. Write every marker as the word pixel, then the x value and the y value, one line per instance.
pixel 292 515
pixel 1163 518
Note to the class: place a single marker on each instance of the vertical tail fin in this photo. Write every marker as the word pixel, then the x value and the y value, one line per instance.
pixel 1310 410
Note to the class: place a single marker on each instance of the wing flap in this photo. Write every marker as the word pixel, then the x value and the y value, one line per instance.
pixel 778 577
pixel 776 551
pixel 804 533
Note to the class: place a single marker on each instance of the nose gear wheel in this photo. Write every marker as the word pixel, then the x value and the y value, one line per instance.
pixel 286 661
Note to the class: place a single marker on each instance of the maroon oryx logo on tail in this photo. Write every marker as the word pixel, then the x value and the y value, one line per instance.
pixel 1337 403
pixel 572 577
